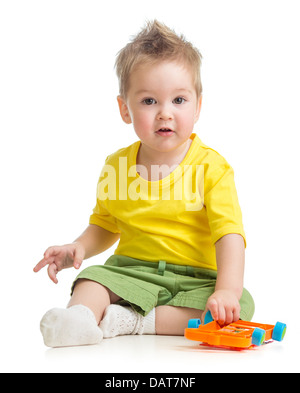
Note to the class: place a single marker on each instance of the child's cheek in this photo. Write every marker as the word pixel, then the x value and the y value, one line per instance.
pixel 143 122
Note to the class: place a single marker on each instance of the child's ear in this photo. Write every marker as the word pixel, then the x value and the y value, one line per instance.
pixel 124 111
pixel 198 109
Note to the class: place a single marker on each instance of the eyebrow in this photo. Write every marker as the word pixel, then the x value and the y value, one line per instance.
pixel 184 90
pixel 177 91
pixel 142 92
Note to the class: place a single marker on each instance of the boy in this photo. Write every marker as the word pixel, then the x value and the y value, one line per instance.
pixel 169 200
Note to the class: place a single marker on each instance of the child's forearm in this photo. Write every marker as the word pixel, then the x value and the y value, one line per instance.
pixel 230 254
pixel 95 240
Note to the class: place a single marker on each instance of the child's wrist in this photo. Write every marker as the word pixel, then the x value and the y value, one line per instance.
pixel 80 247
pixel 236 289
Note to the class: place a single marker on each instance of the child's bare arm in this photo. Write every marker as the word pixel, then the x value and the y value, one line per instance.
pixel 92 241
pixel 224 303
pixel 95 240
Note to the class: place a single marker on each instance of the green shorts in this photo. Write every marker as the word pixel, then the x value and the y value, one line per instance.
pixel 145 285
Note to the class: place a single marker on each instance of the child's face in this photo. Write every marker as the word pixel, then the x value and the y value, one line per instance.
pixel 163 106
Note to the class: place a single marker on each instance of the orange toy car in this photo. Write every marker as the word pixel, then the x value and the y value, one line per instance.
pixel 237 335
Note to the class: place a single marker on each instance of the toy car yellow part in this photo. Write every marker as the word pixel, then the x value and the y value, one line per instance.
pixel 241 334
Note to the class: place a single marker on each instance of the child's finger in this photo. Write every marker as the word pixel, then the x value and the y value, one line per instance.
pixel 214 309
pixel 52 271
pixel 48 258
pixel 228 316
pixel 236 314
pixel 221 315
pixel 43 262
pixel 53 250
pixel 78 258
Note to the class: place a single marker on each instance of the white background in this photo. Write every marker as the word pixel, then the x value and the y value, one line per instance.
pixel 59 120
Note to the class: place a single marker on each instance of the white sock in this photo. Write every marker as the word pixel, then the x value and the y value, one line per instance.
pixel 119 320
pixel 76 325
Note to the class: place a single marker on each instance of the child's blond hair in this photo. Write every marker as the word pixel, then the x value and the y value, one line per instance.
pixel 156 42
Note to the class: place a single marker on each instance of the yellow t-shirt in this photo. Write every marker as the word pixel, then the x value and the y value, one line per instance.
pixel 177 219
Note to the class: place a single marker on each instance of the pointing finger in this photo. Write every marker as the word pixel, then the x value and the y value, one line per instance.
pixel 40 265
pixel 43 263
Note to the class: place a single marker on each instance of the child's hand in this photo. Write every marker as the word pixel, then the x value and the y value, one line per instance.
pixel 224 306
pixel 61 257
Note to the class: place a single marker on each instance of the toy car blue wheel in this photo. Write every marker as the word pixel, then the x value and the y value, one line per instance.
pixel 258 336
pixel 194 323
pixel 279 331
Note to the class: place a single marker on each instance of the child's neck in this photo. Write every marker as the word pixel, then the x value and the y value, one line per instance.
pixel 160 165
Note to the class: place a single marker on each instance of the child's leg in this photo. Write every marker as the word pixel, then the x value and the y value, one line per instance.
pixel 172 321
pixel 91 303
pixel 94 296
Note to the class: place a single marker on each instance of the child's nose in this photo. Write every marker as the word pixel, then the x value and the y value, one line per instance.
pixel 164 113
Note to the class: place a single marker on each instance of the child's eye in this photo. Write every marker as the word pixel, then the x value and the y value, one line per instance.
pixel 179 100
pixel 149 101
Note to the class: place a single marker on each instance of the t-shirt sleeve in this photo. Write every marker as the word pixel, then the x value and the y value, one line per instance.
pixel 103 218
pixel 222 205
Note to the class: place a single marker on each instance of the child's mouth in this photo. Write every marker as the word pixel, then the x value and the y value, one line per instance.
pixel 165 132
